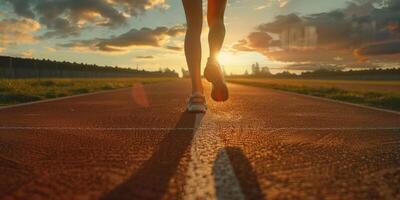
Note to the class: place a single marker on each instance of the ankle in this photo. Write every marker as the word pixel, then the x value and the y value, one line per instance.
pixel 197 93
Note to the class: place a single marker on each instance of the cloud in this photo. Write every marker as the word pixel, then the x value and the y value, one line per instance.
pixel 136 7
pixel 2 49
pixel 310 67
pixel 27 53
pixel 255 41
pixel 261 7
pixel 174 48
pixel 280 22
pixel 50 49
pixel 145 57
pixel 316 56
pixel 259 39
pixel 370 27
pixel 242 45
pixel 22 8
pixel 64 18
pixel 145 37
pixel 385 48
pixel 283 3
pixel 17 31
pixel 270 3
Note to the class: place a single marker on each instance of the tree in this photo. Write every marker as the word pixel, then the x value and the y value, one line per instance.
pixel 255 68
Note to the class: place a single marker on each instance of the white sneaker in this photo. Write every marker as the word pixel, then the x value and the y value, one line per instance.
pixel 196 103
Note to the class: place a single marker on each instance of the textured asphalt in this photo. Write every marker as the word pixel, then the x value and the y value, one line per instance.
pixel 138 143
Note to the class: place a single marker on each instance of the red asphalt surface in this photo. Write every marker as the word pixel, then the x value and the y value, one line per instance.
pixel 138 143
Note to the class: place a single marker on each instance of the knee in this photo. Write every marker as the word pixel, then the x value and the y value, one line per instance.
pixel 216 22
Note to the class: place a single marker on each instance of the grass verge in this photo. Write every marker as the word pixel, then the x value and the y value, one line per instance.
pixel 383 98
pixel 14 91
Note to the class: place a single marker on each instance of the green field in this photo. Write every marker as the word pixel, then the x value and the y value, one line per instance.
pixel 14 91
pixel 381 94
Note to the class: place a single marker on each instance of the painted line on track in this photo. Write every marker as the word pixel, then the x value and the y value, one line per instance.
pixel 206 151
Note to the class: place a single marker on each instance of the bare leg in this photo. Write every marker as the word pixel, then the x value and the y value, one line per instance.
pixel 215 18
pixel 194 20
pixel 212 71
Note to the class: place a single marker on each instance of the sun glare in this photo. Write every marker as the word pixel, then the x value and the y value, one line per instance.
pixel 238 62
pixel 224 57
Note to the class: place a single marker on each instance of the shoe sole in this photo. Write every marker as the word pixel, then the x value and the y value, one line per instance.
pixel 219 90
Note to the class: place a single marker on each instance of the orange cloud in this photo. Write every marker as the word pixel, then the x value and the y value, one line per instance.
pixel 388 49
pixel 68 17
pixel 27 53
pixel 144 57
pixel 143 38
pixel 51 49
pixel 17 31
pixel 356 33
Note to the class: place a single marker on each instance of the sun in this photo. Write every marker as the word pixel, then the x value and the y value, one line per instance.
pixel 225 58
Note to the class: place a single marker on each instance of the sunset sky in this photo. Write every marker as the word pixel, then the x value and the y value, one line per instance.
pixel 149 33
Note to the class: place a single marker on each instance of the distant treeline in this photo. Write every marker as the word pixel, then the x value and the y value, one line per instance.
pixel 368 74
pixel 11 67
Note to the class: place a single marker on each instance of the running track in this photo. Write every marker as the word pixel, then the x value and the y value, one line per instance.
pixel 138 143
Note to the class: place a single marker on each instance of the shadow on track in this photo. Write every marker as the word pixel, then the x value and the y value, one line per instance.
pixel 242 170
pixel 151 180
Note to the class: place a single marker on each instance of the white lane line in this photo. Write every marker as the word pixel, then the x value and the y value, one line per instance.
pixel 194 129
pixel 202 176
pixel 226 182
